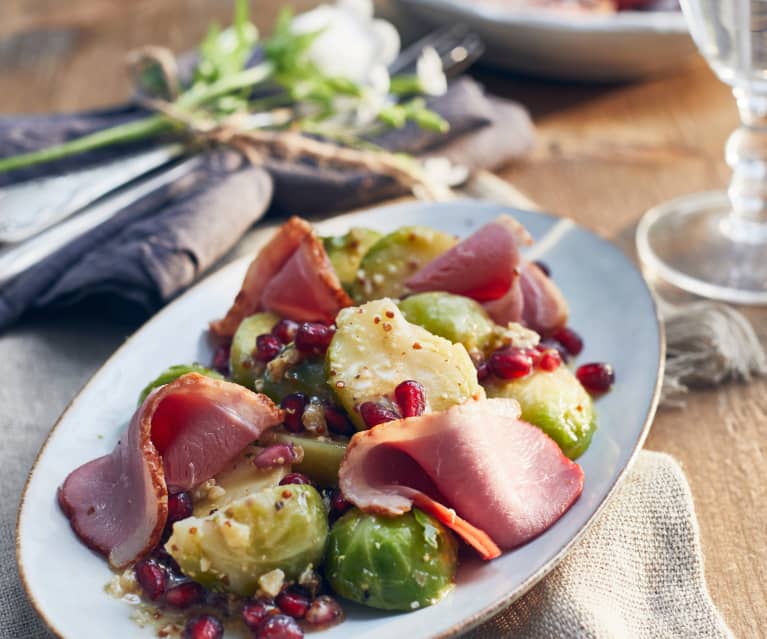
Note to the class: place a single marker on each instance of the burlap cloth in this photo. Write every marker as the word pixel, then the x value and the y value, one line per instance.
pixel 638 572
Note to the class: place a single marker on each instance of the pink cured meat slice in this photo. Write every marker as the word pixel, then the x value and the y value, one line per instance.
pixel 498 473
pixel 306 289
pixel 118 504
pixel 534 300
pixel 262 269
pixel 483 266
pixel 291 276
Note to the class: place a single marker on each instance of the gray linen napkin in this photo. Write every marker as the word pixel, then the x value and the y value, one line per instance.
pixel 637 573
pixel 152 250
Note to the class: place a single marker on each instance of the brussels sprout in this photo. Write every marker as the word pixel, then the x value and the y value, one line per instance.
pixel 453 317
pixel 555 402
pixel 244 368
pixel 346 251
pixel 375 348
pixel 174 372
pixel 281 527
pixel 283 378
pixel 395 563
pixel 240 479
pixel 394 258
pixel 322 456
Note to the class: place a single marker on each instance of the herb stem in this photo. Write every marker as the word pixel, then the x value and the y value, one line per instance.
pixel 129 132
pixel 143 128
pixel 199 94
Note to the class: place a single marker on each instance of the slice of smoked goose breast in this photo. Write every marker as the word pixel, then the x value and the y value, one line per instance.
pixel 183 434
pixel 482 266
pixel 476 466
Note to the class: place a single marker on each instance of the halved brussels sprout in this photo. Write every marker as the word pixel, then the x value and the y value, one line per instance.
pixel 453 317
pixel 281 527
pixel 375 348
pixel 394 258
pixel 322 456
pixel 556 403
pixel 307 377
pixel 240 479
pixel 244 368
pixel 346 251
pixel 173 372
pixel 394 563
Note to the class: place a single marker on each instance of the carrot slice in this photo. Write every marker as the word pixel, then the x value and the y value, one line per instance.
pixel 476 538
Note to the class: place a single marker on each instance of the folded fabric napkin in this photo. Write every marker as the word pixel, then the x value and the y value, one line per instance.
pixel 151 250
pixel 638 571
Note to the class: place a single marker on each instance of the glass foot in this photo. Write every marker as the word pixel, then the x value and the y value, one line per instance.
pixel 694 243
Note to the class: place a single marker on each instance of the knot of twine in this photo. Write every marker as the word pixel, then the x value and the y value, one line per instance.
pixel 259 145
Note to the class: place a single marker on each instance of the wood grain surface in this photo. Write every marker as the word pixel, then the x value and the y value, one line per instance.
pixel 604 155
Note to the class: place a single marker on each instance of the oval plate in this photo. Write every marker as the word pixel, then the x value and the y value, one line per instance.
pixel 583 47
pixel 610 304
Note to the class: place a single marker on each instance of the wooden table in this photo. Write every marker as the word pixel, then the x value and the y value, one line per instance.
pixel 604 155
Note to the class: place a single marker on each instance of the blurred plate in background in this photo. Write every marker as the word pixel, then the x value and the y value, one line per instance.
pixel 563 44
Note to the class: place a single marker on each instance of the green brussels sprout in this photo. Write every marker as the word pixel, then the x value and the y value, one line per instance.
pixel 454 317
pixel 239 479
pixel 322 456
pixel 243 367
pixel 375 348
pixel 283 527
pixel 394 563
pixel 307 377
pixel 394 258
pixel 174 372
pixel 556 403
pixel 346 251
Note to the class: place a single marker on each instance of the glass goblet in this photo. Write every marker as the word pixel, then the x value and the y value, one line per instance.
pixel 714 244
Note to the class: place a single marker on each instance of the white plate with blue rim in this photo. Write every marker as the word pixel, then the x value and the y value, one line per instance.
pixel 608 299
pixel 580 46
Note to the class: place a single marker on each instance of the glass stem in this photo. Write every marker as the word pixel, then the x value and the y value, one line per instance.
pixel 746 155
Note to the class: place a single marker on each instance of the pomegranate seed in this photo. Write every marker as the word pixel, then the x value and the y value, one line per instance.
pixel 483 370
pixel 267 347
pixel 570 340
pixel 255 611
pixel 338 504
pixel 152 577
pixel 411 398
pixel 374 413
pixel 295 478
pixel 312 337
pixel 535 355
pixel 596 377
pixel 204 627
pixel 294 405
pixel 294 602
pixel 547 344
pixel 550 360
pixel 179 507
pixel 511 363
pixel 324 611
pixel 185 595
pixel 279 627
pixel 285 330
pixel 279 455
pixel 166 561
pixel 338 422
pixel 544 267
pixel 221 359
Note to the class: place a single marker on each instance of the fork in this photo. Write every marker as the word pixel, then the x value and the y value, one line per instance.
pixel 37 217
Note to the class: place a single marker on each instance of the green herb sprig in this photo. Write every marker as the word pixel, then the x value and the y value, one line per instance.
pixel 222 85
